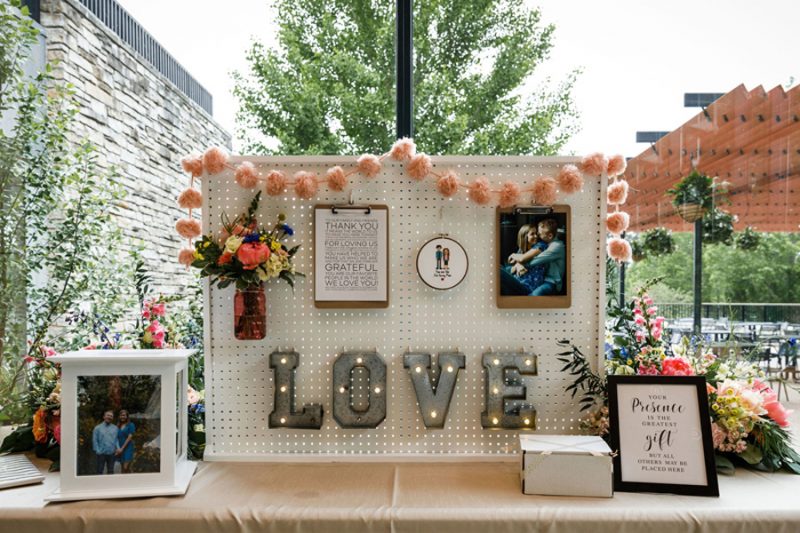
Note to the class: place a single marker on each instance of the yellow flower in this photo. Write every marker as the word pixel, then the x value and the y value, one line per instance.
pixel 263 238
pixel 275 246
pixel 197 255
pixel 206 244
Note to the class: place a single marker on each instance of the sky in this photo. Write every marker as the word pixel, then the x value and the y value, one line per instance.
pixel 637 57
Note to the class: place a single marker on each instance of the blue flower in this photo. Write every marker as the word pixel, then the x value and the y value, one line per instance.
pixel 287 229
pixel 251 237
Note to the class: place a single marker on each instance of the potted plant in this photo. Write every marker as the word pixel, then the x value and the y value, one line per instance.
pixel 658 241
pixel 747 239
pixel 638 251
pixel 693 196
pixel 718 227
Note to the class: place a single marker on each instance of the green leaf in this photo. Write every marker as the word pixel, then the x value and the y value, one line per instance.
pixel 725 466
pixel 20 440
pixel 752 454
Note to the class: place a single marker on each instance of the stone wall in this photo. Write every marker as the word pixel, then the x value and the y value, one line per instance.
pixel 140 123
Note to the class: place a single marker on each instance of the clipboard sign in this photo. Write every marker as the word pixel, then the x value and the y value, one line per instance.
pixel 351 256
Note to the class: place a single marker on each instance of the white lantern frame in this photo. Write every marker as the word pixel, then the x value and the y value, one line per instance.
pixel 175 470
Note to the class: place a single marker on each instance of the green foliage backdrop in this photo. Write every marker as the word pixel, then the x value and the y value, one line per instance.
pixel 329 87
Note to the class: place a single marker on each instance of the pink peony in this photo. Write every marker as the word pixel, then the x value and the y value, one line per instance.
pixel 252 254
pixel 676 366
pixel 775 410
pixel 647 370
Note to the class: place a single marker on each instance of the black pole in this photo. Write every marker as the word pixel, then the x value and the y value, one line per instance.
pixel 405 69
pixel 698 276
pixel 622 267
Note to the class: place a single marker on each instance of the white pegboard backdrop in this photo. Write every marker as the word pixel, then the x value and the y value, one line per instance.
pixel 239 382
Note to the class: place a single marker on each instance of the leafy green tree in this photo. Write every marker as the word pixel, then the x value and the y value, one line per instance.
pixel 769 274
pixel 59 243
pixel 329 87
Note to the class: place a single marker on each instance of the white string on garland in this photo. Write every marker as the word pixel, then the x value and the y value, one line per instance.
pixel 544 190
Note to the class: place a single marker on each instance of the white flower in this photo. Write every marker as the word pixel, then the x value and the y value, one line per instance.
pixel 233 243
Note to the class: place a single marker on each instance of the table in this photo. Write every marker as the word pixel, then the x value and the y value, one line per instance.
pixel 402 497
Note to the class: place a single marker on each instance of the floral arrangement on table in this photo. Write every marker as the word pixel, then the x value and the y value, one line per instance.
pixel 543 190
pixel 749 424
pixel 247 255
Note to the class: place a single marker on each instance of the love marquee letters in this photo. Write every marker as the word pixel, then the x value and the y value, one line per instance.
pixel 360 390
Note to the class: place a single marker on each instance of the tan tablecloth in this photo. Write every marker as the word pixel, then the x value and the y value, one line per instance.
pixel 414 497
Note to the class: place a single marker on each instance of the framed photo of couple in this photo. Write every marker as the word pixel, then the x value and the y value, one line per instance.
pixel 533 257
pixel 123 424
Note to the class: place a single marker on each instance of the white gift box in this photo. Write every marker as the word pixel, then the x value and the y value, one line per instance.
pixel 566 465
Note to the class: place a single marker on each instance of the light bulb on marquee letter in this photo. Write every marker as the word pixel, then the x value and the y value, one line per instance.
pixel 507 392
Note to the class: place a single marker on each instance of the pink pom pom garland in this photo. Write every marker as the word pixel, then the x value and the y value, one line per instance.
pixel 305 184
pixel 369 165
pixel 479 192
pixel 276 182
pixel 619 250
pixel 418 166
pixel 186 257
pixel 215 159
pixel 190 198
pixel 447 184
pixel 246 175
pixel 337 180
pixel 544 191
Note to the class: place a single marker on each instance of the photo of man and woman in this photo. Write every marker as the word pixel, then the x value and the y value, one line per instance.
pixel 533 254
pixel 119 424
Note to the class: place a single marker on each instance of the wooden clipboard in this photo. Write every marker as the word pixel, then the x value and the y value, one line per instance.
pixel 319 257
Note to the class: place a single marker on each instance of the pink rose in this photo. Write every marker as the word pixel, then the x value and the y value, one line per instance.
pixel 146 314
pixel 252 254
pixel 637 311
pixel 676 366
pixel 159 309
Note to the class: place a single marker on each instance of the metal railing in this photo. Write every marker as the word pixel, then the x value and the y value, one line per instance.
pixel 739 312
pixel 132 33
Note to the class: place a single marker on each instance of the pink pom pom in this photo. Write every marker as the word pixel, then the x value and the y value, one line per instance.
pixel 593 164
pixel 305 184
pixel 619 250
pixel 188 228
pixel 190 199
pixel 246 175
pixel 193 164
pixel 215 159
pixel 545 191
pixel 616 165
pixel 617 192
pixel 403 149
pixel 369 165
pixel 337 181
pixel 186 256
pixel 419 166
pixel 448 183
pixel 617 222
pixel 276 182
pixel 509 194
pixel 479 191
pixel 570 179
